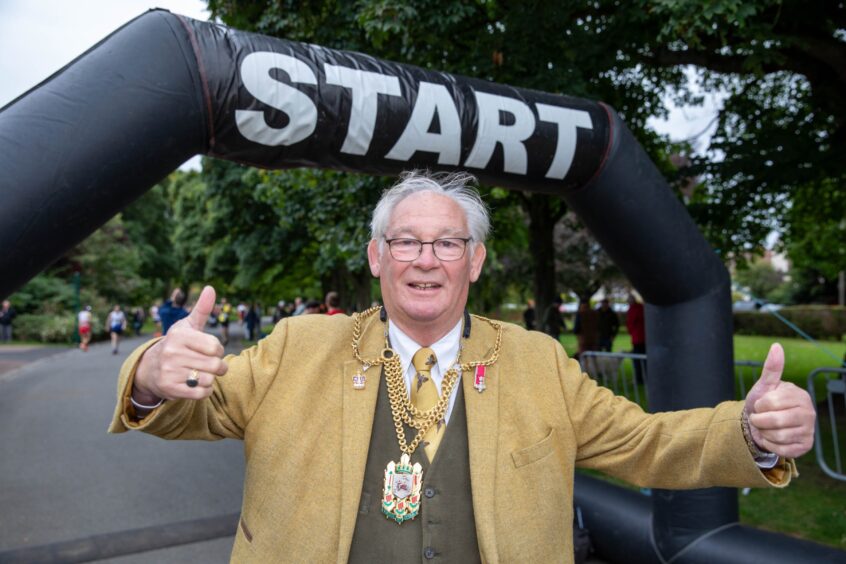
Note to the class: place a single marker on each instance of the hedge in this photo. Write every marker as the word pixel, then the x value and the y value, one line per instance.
pixel 51 328
pixel 820 322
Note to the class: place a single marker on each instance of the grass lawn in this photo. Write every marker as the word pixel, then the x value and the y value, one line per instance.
pixel 800 356
pixel 812 507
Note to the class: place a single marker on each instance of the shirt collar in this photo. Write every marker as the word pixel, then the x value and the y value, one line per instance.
pixel 446 348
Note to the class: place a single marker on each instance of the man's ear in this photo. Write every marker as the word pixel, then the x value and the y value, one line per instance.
pixel 476 262
pixel 373 258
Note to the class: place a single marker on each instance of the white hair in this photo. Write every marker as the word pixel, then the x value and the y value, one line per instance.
pixel 457 186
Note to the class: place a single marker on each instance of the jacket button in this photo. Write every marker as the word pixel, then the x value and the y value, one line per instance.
pixel 429 492
pixel 429 552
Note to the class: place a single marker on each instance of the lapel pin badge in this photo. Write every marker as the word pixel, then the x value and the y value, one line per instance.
pixel 359 379
pixel 479 378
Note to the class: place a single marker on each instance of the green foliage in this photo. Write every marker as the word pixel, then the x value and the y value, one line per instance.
pixel 110 262
pixel 761 279
pixel 45 328
pixel 148 225
pixel 816 238
pixel 782 131
pixel 801 356
pixel 44 293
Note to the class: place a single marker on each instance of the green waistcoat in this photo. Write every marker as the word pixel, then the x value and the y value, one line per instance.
pixel 445 529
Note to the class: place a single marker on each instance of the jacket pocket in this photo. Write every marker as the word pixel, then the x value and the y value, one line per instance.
pixel 535 452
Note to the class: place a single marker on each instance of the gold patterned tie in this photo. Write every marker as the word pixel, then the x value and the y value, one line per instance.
pixel 424 396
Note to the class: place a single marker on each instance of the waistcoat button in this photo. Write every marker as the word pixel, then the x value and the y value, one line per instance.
pixel 429 492
pixel 429 552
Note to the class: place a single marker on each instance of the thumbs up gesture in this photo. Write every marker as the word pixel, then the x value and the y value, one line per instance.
pixel 781 415
pixel 184 364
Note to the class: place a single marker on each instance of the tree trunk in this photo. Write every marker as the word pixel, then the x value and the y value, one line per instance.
pixel 361 296
pixel 544 212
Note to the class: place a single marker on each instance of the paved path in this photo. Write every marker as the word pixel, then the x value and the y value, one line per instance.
pixel 64 480
pixel 13 357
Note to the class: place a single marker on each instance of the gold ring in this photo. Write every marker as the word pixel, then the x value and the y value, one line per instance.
pixel 193 379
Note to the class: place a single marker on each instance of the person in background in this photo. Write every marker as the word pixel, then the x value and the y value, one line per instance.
pixel 635 323
pixel 312 306
pixel 609 325
pixel 138 320
pixel 84 320
pixel 7 315
pixel 280 312
pixel 333 303
pixel 529 315
pixel 586 328
pixel 116 322
pixel 173 310
pixel 223 317
pixel 553 323
pixel 252 319
pixel 299 306
pixel 157 321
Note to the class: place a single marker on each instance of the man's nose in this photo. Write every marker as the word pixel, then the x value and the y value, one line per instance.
pixel 427 256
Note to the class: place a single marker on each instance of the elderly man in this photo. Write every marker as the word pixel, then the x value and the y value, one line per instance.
pixel 417 431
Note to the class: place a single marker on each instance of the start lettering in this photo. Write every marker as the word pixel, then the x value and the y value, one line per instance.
pixel 433 101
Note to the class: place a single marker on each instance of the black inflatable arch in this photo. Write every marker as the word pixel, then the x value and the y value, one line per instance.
pixel 96 135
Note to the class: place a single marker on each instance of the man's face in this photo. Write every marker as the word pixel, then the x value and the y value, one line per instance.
pixel 427 294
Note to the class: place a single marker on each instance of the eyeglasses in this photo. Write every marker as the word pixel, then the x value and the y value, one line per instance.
pixel 447 249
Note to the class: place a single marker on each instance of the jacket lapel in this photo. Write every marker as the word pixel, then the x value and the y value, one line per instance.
pixel 359 407
pixel 482 432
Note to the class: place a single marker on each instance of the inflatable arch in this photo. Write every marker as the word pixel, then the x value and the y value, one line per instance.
pixel 96 135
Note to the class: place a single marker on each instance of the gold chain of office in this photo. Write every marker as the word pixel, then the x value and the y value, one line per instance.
pixel 402 409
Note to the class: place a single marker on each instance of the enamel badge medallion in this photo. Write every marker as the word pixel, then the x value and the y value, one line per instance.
pixel 401 494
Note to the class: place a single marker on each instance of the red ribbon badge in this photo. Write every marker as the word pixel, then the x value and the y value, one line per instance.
pixel 479 379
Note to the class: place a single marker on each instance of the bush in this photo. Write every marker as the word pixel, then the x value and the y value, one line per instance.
pixel 44 328
pixel 820 322
pixel 51 328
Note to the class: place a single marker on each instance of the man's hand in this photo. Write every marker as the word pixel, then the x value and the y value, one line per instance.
pixel 166 366
pixel 781 415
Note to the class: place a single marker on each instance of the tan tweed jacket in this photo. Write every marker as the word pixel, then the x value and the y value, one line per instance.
pixel 306 433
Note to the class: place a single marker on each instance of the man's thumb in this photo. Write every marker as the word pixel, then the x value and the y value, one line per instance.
pixel 773 367
pixel 202 309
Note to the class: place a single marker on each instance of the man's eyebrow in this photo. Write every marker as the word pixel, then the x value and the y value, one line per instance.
pixel 407 232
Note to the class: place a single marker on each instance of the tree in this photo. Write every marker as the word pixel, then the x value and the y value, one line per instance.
pixel 149 223
pixel 583 267
pixel 324 216
pixel 761 279
pixel 782 129
pixel 815 235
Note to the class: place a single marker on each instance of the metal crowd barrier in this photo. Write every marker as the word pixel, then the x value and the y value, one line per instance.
pixel 742 368
pixel 612 370
pixel 618 372
pixel 833 381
